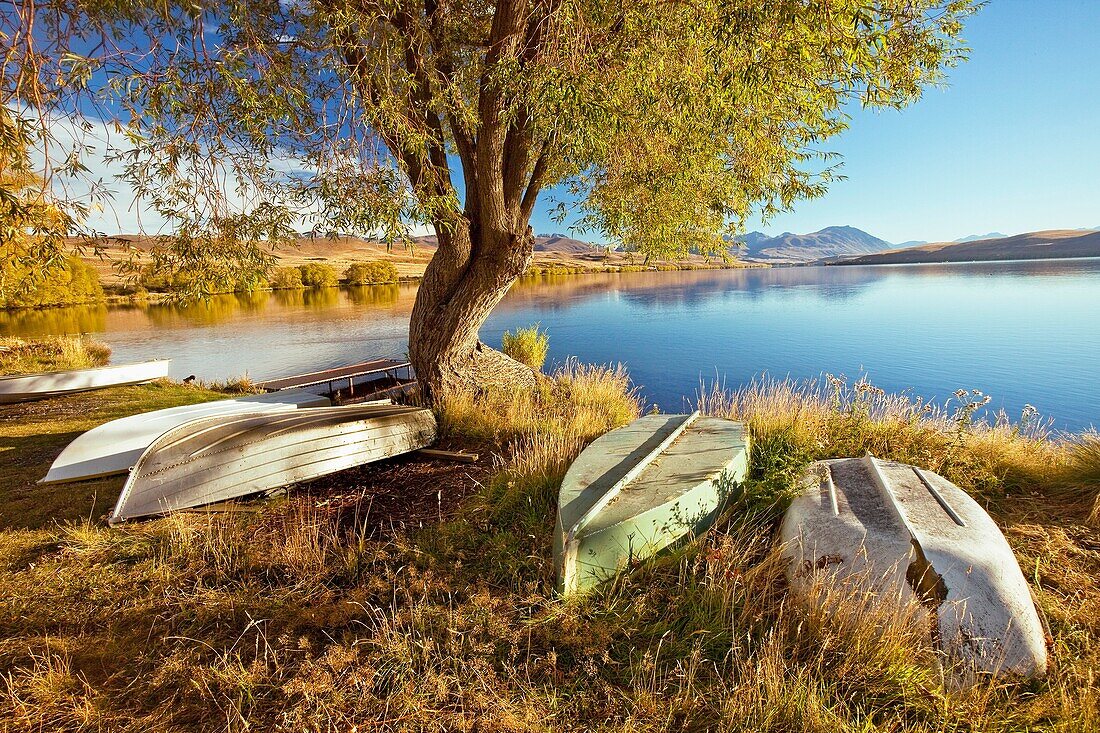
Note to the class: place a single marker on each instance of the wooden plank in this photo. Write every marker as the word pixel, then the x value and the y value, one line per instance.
pixel 449 455
pixel 349 371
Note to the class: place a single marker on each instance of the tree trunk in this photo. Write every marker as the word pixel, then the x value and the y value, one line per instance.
pixel 465 280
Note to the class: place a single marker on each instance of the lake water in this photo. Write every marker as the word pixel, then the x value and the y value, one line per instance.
pixel 1022 332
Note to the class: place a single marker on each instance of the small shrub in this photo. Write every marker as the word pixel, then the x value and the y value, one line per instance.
pixel 527 346
pixel 371 273
pixel 317 275
pixel 72 282
pixel 286 278
pixel 159 280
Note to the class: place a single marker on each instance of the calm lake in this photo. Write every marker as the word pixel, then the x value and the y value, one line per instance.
pixel 1022 332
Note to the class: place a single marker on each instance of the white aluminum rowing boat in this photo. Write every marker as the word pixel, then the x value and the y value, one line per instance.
pixel 913 536
pixel 224 457
pixel 641 488
pixel 24 387
pixel 115 446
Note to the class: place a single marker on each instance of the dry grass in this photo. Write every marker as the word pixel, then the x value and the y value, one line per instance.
pixel 54 353
pixel 292 620
pixel 1080 475
pixel 796 422
pixel 527 346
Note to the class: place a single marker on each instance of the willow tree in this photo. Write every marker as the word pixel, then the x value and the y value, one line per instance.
pixel 666 123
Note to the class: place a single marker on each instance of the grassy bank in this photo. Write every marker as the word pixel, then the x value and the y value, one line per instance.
pixel 54 353
pixel 313 615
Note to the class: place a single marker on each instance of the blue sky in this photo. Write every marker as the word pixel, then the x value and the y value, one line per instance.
pixel 1011 145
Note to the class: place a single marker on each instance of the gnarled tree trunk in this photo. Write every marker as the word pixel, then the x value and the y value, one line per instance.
pixel 469 275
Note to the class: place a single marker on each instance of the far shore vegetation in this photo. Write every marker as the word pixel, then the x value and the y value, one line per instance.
pixel 78 283
pixel 328 609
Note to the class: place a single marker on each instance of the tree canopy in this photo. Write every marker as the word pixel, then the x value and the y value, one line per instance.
pixel 668 122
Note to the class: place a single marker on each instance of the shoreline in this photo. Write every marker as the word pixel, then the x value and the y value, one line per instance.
pixel 115 293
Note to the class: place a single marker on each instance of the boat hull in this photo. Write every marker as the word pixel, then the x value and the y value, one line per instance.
pixel 114 447
pixel 913 537
pixel 224 457
pixel 26 387
pixel 675 496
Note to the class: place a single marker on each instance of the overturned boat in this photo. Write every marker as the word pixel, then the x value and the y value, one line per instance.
pixel 115 446
pixel 212 459
pixel 25 387
pixel 913 536
pixel 641 488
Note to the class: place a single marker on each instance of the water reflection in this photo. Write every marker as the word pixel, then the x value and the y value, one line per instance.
pixel 1023 332
pixel 48 321
pixel 690 287
pixel 377 295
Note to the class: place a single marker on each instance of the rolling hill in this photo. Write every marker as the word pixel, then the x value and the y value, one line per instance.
pixel 1055 243
pixel 976 237
pixel 562 244
pixel 835 241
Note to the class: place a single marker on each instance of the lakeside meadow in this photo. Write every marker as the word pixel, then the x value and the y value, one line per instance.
pixel 529 366
pixel 399 597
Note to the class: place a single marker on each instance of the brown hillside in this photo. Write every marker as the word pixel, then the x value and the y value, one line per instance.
pixel 1054 243
pixel 550 252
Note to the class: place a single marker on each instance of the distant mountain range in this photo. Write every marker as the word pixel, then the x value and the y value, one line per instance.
pixel 831 245
pixel 559 243
pixel 967 238
pixel 835 241
pixel 563 244
pixel 1053 243
pixel 976 237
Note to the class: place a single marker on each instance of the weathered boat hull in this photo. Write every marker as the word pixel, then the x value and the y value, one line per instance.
pixel 914 537
pixel 224 457
pixel 116 446
pixel 641 488
pixel 26 387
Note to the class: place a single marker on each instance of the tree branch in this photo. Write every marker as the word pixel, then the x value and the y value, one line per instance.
pixel 534 184
pixel 508 21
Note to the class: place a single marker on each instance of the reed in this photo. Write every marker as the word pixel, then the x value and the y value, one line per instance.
pixel 53 353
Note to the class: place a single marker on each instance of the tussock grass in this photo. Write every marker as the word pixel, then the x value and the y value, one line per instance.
pixel 1079 478
pixel 293 620
pixel 579 401
pixel 527 346
pixel 53 353
pixel 797 422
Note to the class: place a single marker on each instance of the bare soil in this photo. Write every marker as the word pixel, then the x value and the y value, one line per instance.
pixel 399 494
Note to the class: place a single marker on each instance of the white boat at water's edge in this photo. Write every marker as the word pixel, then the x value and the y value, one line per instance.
pixel 912 536
pixel 223 457
pixel 115 446
pixel 24 387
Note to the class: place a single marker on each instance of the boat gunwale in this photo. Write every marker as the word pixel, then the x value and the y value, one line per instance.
pixel 104 368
